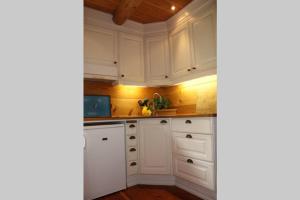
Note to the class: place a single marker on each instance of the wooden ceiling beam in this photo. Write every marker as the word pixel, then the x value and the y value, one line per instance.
pixel 124 10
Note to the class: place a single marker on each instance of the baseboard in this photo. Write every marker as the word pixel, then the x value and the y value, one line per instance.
pixel 197 190
pixel 150 180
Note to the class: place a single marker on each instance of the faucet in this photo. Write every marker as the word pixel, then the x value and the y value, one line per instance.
pixel 160 99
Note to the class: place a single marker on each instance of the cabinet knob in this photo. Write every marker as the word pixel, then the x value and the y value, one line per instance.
pixel 132 149
pixel 189 161
pixel 131 126
pixel 163 122
pixel 188 121
pixel 188 136
pixel 194 68
pixel 104 139
pixel 122 75
pixel 188 70
pixel 133 164
pixel 132 137
pixel 115 62
pixel 166 76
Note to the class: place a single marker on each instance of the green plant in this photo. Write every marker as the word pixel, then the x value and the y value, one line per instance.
pixel 161 103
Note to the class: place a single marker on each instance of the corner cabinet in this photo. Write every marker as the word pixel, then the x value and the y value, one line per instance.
pixel 180 51
pixel 100 53
pixel 131 58
pixel 157 59
pixel 155 146
pixel 193 46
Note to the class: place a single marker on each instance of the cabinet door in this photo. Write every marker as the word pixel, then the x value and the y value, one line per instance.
pixel 157 58
pixel 105 162
pixel 155 148
pixel 204 41
pixel 100 51
pixel 131 58
pixel 180 51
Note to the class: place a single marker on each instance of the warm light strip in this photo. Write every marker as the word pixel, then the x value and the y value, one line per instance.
pixel 198 81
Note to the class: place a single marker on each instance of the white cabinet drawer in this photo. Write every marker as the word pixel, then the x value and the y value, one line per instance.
pixel 132 153
pixel 131 140
pixel 194 125
pixel 199 146
pixel 196 171
pixel 132 168
pixel 131 128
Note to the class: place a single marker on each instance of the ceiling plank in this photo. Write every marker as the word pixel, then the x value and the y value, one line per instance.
pixel 124 10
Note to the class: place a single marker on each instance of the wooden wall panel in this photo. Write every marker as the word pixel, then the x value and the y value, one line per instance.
pixel 187 98
pixel 123 98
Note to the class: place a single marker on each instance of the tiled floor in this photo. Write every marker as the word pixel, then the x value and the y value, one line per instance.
pixel 147 192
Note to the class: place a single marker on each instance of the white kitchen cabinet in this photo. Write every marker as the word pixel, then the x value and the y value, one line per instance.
pixel 194 150
pixel 157 59
pixel 104 157
pixel 100 53
pixel 195 171
pixel 180 51
pixel 155 147
pixel 131 58
pixel 194 145
pixel 203 30
pixel 132 154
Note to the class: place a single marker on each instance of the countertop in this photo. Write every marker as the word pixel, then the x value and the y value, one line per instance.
pixel 143 117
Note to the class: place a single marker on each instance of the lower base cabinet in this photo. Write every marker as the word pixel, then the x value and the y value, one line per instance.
pixel 164 150
pixel 155 146
pixel 195 171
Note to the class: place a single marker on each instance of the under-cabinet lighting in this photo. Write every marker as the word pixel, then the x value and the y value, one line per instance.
pixel 198 81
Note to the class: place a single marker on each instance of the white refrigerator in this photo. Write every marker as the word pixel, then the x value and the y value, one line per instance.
pixel 104 160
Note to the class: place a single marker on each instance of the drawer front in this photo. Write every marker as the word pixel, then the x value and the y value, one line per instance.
pixel 131 140
pixel 132 168
pixel 195 171
pixel 132 153
pixel 194 125
pixel 199 146
pixel 131 128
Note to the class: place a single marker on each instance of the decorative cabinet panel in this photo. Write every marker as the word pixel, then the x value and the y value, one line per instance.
pixel 193 145
pixel 100 52
pixel 157 59
pixel 180 51
pixel 196 171
pixel 131 58
pixel 194 125
pixel 203 31
pixel 155 147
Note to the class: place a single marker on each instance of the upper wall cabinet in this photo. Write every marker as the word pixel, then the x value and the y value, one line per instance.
pixel 180 51
pixel 100 53
pixel 157 59
pixel 203 30
pixel 131 58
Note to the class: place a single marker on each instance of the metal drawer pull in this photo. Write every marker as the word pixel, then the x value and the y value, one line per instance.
pixel 131 126
pixel 104 139
pixel 163 122
pixel 132 149
pixel 132 137
pixel 188 121
pixel 188 136
pixel 189 161
pixel 133 164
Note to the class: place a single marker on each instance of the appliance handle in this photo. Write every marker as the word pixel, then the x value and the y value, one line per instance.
pixel 84 143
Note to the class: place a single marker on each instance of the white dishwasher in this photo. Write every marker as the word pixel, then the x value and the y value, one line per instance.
pixel 104 159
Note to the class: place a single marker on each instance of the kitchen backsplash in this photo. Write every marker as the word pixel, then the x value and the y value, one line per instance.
pixel 189 97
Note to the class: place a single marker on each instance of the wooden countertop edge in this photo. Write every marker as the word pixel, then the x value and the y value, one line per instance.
pixel 143 117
